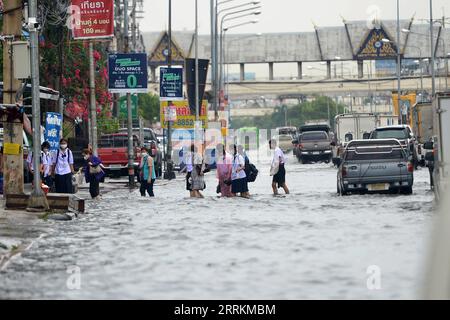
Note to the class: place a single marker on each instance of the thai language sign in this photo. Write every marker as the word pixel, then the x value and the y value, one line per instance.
pixel 92 19
pixel 128 73
pixel 184 118
pixel 171 84
pixel 53 125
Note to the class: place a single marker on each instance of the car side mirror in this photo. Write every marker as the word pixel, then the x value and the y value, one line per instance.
pixel 428 145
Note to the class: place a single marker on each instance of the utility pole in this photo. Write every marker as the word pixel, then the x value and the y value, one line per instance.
pixel 169 174
pixel 38 200
pixel 433 73
pixel 213 55
pixel 131 183
pixel 93 100
pixel 399 67
pixel 13 131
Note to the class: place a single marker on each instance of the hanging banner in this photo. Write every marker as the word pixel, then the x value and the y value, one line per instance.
pixel 128 73
pixel 53 126
pixel 123 108
pixel 91 19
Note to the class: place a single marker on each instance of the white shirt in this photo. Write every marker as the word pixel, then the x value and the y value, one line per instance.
pixel 188 161
pixel 278 156
pixel 30 160
pixel 238 161
pixel 63 165
pixel 47 161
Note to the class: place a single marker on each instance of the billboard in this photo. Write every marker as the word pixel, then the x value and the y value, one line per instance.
pixel 184 118
pixel 128 73
pixel 92 19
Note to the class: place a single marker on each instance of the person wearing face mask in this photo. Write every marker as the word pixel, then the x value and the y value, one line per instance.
pixel 46 160
pixel 93 172
pixel 62 168
pixel 147 172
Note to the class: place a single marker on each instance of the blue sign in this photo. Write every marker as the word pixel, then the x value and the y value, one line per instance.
pixel 53 126
pixel 128 73
pixel 171 84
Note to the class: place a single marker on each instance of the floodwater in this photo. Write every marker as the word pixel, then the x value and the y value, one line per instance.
pixel 310 244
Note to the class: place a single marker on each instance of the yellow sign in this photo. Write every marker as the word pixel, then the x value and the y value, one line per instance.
pixel 408 101
pixel 185 120
pixel 12 149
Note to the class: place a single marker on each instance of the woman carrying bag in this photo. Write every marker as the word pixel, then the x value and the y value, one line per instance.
pixel 198 174
pixel 93 172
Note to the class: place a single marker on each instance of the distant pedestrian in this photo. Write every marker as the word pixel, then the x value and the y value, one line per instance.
pixel 188 167
pixel 224 169
pixel 198 172
pixel 46 159
pixel 277 169
pixel 239 183
pixel 62 168
pixel 93 172
pixel 148 173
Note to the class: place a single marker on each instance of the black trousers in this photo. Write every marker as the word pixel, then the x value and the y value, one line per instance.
pixel 146 186
pixel 94 187
pixel 63 183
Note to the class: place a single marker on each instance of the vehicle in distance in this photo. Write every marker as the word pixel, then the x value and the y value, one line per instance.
pixel 113 151
pixel 284 141
pixel 375 166
pixel 313 146
pixel 402 133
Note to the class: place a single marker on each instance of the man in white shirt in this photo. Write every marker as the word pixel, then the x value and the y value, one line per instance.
pixel 279 160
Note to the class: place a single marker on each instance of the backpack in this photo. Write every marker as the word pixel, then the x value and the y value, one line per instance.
pixel 68 157
pixel 250 171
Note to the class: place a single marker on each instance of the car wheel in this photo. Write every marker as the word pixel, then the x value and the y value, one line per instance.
pixel 407 190
pixel 304 161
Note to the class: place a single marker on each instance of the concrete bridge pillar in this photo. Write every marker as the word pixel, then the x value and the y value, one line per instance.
pixel 328 69
pixel 360 69
pixel 300 70
pixel 242 71
pixel 271 71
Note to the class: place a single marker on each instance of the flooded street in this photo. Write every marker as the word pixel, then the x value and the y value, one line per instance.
pixel 310 244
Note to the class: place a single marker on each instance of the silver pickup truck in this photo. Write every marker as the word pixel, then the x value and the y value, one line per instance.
pixel 375 166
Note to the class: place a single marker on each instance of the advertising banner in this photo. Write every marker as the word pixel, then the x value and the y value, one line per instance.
pixel 53 127
pixel 124 108
pixel 184 118
pixel 92 19
pixel 128 73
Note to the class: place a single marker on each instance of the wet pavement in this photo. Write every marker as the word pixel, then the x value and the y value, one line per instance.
pixel 307 245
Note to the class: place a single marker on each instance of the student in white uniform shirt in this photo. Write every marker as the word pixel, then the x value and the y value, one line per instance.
pixel 47 162
pixel 63 168
pixel 277 168
pixel 239 183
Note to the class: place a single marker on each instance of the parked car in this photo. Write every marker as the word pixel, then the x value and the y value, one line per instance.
pixel 113 151
pixel 404 134
pixel 313 146
pixel 375 166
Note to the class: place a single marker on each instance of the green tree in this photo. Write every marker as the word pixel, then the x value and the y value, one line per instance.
pixel 149 107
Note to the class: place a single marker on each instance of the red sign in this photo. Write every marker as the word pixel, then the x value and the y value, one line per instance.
pixel 92 19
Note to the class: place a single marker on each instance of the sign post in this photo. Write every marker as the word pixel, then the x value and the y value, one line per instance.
pixel 171 89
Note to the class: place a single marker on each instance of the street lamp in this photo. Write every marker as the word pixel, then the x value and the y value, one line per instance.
pixel 222 40
pixel 215 13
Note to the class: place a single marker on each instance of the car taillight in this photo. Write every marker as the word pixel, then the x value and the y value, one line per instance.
pixel 344 171
pixel 300 146
pixel 410 167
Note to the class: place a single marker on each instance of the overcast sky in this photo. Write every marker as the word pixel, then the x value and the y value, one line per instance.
pixel 289 15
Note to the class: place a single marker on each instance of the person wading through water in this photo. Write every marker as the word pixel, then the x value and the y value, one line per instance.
pixel 277 169
pixel 238 177
pixel 148 173
pixel 224 168
pixel 62 168
pixel 93 173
